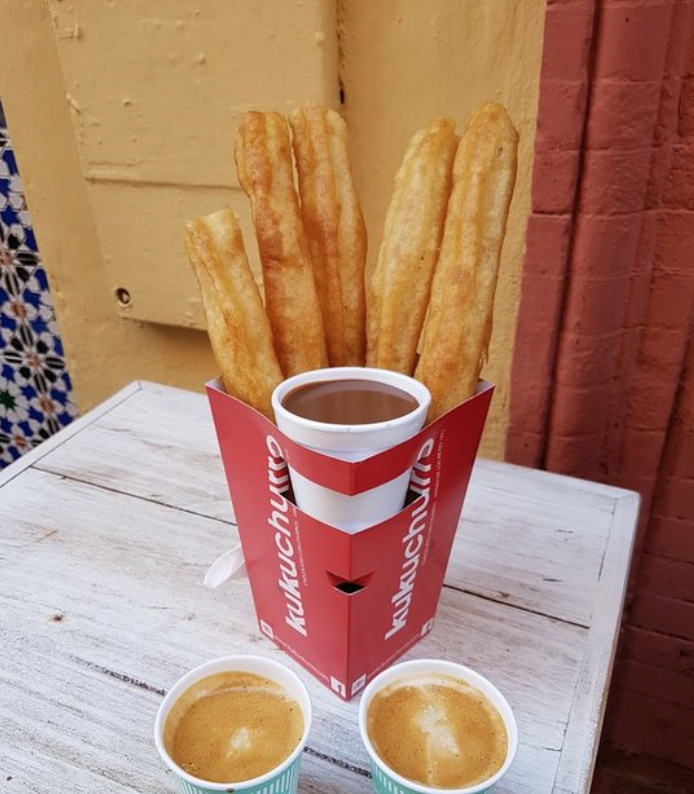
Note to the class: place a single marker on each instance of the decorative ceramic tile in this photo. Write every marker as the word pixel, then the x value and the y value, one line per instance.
pixel 35 390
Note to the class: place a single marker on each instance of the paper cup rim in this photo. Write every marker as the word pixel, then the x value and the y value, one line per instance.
pixel 408 384
pixel 415 666
pixel 209 668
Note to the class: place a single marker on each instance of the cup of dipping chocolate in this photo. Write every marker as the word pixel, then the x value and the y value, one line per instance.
pixel 350 413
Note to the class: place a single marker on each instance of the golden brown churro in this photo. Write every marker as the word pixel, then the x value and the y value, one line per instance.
pixel 236 322
pixel 399 288
pixel 335 227
pixel 265 171
pixel 459 323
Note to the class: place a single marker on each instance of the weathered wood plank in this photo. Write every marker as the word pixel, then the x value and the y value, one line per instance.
pixel 65 725
pixel 161 447
pixel 539 554
pixel 528 538
pixel 129 600
pixel 34 455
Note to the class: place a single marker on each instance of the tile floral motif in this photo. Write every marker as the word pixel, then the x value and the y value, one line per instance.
pixel 35 389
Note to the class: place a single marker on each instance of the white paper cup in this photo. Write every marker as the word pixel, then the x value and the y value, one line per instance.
pixel 284 779
pixel 384 779
pixel 353 443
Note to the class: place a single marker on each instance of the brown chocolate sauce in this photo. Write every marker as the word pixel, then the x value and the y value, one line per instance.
pixel 349 402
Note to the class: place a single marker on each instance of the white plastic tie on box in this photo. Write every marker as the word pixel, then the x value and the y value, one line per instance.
pixel 229 565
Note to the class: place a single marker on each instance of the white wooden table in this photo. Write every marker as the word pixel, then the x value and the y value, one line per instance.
pixel 107 529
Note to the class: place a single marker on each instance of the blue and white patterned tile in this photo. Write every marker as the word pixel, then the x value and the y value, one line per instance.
pixel 35 388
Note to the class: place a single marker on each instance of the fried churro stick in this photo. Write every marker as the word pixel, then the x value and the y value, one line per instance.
pixel 399 287
pixel 265 171
pixel 459 323
pixel 335 226
pixel 237 325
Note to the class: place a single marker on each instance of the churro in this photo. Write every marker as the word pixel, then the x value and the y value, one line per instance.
pixel 459 323
pixel 237 325
pixel 264 166
pixel 399 287
pixel 335 227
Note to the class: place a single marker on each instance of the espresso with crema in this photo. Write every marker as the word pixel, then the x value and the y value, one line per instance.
pixel 437 730
pixel 232 727
pixel 349 402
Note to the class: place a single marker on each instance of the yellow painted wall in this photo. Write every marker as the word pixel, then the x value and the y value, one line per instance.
pixel 123 114
pixel 404 62
pixel 156 89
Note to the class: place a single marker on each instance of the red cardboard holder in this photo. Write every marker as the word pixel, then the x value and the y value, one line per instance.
pixel 345 606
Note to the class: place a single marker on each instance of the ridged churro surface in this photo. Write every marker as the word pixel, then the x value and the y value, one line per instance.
pixel 237 325
pixel 335 227
pixel 398 292
pixel 265 170
pixel 459 323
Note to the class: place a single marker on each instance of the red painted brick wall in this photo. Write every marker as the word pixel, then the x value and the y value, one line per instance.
pixel 603 376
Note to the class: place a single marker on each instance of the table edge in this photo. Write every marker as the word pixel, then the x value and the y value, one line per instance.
pixel 575 772
pixel 40 451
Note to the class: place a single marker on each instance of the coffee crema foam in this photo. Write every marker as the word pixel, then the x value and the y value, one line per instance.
pixel 437 730
pixel 233 726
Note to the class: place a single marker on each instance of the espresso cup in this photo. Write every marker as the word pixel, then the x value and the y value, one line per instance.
pixel 284 778
pixel 353 443
pixel 386 780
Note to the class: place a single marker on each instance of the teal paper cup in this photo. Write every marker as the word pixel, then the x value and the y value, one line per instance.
pixel 387 781
pixel 284 779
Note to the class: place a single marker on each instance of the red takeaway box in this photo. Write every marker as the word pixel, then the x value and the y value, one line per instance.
pixel 345 606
